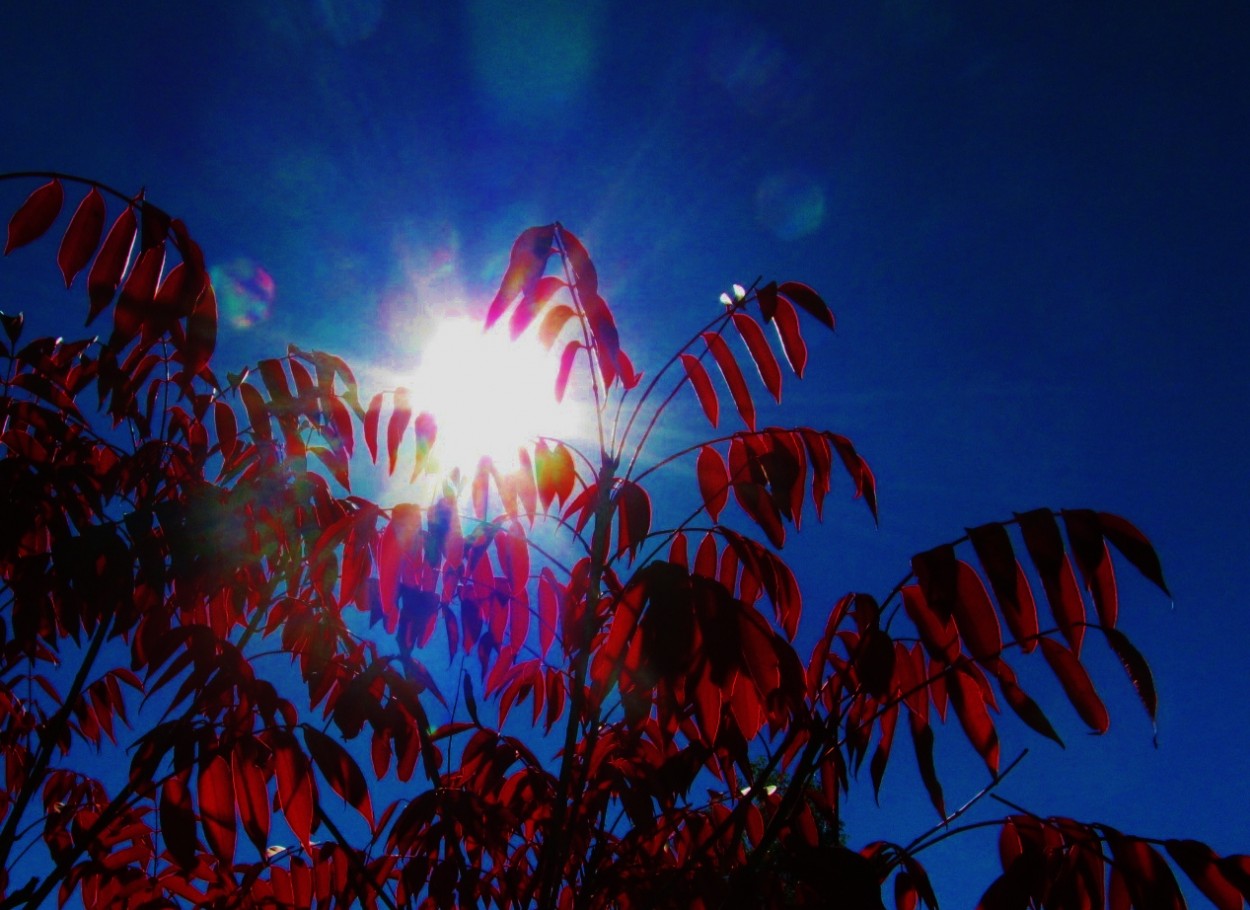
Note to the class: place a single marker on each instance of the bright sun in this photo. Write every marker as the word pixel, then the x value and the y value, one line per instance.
pixel 489 394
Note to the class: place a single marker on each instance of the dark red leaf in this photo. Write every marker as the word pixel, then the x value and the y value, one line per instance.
pixel 975 617
pixel 761 353
pixel 1136 667
pixel 296 795
pixel 1015 599
pixel 1024 706
pixel 110 264
pixel 808 299
pixel 82 236
pixel 922 739
pixel 178 819
pixel 201 338
pixel 1093 560
pixel 857 468
pixel 1134 546
pixel 1147 877
pixel 1076 684
pixel 1202 865
pixel 257 411
pixel 1045 546
pixel 340 771
pixel 33 218
pixel 633 509
pixel 133 312
pixel 252 793
pixel 216 792
pixel 969 704
pixel 713 481
pixel 938 635
pixel 702 384
pixel 786 321
pixel 525 266
pixel 733 377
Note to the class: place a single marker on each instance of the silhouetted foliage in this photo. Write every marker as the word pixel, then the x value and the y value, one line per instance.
pixel 185 572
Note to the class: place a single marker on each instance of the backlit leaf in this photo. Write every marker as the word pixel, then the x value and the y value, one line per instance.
pixel 396 427
pixel 525 266
pixel 33 218
pixel 1136 667
pixel 1134 546
pixel 110 263
pixel 808 299
pixel 1045 546
pixel 340 771
pixel 1015 599
pixel 702 384
pixel 733 377
pixel 786 321
pixel 1076 684
pixel 761 353
pixel 713 481
pixel 216 797
pixel 82 236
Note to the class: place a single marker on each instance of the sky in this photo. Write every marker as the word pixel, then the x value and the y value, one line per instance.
pixel 1032 221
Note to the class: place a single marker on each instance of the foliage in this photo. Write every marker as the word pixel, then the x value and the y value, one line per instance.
pixel 185 571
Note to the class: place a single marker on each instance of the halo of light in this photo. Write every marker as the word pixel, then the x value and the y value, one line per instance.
pixel 789 204
pixel 245 292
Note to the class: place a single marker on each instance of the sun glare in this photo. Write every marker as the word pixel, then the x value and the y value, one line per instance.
pixel 489 394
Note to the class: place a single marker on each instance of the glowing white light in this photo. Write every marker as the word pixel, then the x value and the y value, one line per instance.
pixel 489 394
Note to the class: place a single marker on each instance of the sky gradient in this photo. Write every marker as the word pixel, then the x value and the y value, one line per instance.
pixel 1031 220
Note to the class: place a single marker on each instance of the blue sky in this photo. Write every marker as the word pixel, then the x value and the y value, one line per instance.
pixel 1031 220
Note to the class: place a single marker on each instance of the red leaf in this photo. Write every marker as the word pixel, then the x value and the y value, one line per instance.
pixel 396 427
pixel 761 353
pixel 1015 599
pixel 1150 883
pixel 373 416
pixel 857 468
pixel 733 377
pixel 584 275
pixel 35 215
pixel 526 263
pixel 1045 546
pixel 106 272
pixel 702 384
pixel 82 236
pixel 567 357
pixel 340 771
pixel 252 792
pixel 1136 667
pixel 1024 706
pixel 216 791
pixel 1076 684
pixel 713 481
pixel 548 609
pixel 133 312
pixel 227 428
pixel 975 617
pixel 257 411
pixel 1093 560
pixel 786 322
pixel 294 784
pixel 201 331
pixel 553 324
pixel 1134 546
pixel 922 739
pixel 633 517
pixel 178 819
pixel 808 299
pixel 1202 865
pixel 969 704
pixel 939 636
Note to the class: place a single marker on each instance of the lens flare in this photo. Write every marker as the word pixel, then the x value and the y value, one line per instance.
pixel 245 292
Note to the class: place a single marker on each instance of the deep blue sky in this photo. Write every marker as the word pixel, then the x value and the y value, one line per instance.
pixel 1032 220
